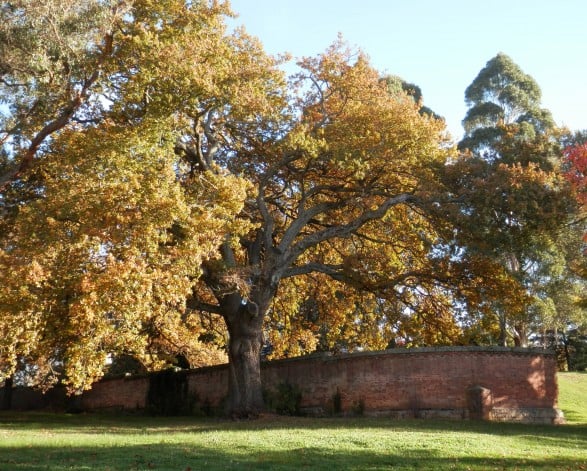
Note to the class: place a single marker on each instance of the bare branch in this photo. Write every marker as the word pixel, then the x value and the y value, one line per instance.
pixel 10 84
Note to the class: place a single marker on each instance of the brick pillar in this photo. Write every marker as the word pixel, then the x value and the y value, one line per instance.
pixel 479 403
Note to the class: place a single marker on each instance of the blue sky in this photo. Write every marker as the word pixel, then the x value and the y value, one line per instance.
pixel 441 45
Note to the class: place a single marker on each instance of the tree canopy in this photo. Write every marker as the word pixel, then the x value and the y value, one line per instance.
pixel 106 223
pixel 575 164
pixel 517 197
pixel 502 94
pixel 576 171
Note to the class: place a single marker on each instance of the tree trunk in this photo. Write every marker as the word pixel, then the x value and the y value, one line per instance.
pixel 244 320
pixel 567 353
pixel 502 341
pixel 245 396
pixel 521 337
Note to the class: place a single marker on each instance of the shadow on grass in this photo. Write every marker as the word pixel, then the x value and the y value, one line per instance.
pixel 161 445
pixel 124 424
pixel 173 457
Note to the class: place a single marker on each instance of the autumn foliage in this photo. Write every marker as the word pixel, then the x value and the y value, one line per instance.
pixel 576 173
pixel 167 193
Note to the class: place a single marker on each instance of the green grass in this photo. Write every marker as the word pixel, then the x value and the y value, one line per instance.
pixel 572 396
pixel 98 442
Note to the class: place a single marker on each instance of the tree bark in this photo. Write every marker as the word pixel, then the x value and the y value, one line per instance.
pixel 245 396
pixel 567 353
pixel 502 341
pixel 521 337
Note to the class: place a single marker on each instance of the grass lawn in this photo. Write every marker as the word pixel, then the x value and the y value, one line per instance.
pixel 98 442
pixel 572 396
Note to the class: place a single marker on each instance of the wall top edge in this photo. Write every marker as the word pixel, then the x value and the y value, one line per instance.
pixel 326 356
pixel 419 351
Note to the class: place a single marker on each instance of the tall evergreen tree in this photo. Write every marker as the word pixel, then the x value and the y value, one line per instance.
pixel 512 163
pixel 501 95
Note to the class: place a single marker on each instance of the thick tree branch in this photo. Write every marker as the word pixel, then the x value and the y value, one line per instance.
pixel 302 220
pixel 196 305
pixel 345 230
pixel 359 281
pixel 27 159
pixel 211 137
pixel 60 121
pixel 254 248
pixel 268 221
pixel 228 254
pixel 193 154
pixel 264 239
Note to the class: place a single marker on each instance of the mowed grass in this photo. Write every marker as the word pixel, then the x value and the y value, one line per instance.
pixel 99 442
pixel 572 396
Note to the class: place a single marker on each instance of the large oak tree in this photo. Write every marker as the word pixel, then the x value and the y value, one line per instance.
pixel 105 220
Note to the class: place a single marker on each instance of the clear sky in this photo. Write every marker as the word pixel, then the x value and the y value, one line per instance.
pixel 441 45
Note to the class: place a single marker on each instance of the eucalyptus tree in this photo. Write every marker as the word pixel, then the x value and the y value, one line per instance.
pixel 518 199
pixel 501 95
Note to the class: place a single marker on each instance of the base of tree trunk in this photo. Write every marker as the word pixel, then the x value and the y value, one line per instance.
pixel 245 393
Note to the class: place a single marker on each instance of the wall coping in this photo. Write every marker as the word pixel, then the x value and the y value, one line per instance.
pixel 326 356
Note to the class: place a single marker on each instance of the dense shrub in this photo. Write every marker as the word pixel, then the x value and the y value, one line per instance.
pixel 284 400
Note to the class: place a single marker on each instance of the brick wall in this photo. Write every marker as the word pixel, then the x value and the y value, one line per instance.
pixel 516 384
pixel 426 382
pixel 128 393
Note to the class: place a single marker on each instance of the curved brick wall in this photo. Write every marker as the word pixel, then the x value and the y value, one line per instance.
pixel 521 383
pixel 495 383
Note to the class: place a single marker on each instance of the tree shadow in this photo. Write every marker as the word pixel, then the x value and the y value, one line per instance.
pixel 173 457
pixel 160 449
pixel 123 424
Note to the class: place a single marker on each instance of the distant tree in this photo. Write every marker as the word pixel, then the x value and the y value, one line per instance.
pixel 396 85
pixel 509 215
pixel 576 170
pixel 575 165
pixel 502 94
pixel 514 195
pixel 577 138
pixel 575 348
